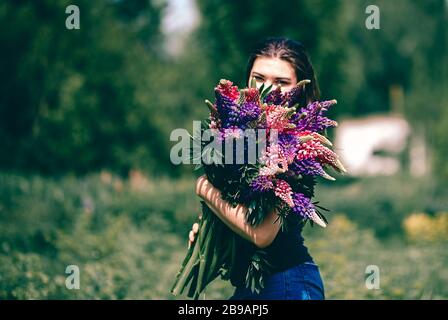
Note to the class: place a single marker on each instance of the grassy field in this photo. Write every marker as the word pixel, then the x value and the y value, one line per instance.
pixel 128 237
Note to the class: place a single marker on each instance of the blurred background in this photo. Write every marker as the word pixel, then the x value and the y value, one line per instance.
pixel 86 114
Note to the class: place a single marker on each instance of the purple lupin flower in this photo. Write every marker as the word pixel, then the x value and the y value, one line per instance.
pixel 303 205
pixel 248 112
pixel 295 95
pixel 312 117
pixel 261 184
pixel 232 114
pixel 227 109
pixel 275 97
pixel 308 167
pixel 288 144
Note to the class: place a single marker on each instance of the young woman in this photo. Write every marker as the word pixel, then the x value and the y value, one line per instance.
pixel 280 62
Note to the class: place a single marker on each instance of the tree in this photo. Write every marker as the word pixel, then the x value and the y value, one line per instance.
pixel 70 100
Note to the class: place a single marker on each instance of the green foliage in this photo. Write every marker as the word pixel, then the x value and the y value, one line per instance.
pixel 119 237
pixel 79 94
pixel 128 242
pixel 344 250
pixel 380 203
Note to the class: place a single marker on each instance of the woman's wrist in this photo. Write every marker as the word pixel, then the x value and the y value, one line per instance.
pixel 202 186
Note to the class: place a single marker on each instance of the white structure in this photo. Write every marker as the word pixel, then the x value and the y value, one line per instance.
pixel 357 141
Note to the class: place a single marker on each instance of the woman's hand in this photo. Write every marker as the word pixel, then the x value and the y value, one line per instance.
pixel 192 234
pixel 202 185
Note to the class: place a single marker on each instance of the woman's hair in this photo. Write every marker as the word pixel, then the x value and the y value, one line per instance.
pixel 293 52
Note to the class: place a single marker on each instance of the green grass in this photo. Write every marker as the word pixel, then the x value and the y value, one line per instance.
pixel 128 238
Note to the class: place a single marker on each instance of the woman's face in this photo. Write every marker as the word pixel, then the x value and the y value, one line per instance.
pixel 273 71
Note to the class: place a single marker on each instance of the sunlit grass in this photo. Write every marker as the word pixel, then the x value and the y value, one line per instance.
pixel 129 236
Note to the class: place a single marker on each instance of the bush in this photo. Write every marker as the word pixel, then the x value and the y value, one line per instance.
pixel 421 227
pixel 379 203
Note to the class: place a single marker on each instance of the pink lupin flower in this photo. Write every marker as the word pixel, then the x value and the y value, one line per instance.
pixel 227 89
pixel 309 150
pixel 284 191
pixel 315 136
pixel 330 157
pixel 215 122
pixel 314 149
pixel 277 117
pixel 274 160
pixel 251 95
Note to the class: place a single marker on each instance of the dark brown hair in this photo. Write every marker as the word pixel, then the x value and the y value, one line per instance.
pixel 293 52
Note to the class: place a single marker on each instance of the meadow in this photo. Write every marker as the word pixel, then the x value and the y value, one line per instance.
pixel 129 236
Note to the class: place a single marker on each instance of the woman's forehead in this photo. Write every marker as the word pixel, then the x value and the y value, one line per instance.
pixel 273 67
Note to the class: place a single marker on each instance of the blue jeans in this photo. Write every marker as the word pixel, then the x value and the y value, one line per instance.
pixel 301 282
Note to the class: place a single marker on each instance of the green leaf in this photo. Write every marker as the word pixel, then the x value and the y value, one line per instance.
pixel 253 83
pixel 265 92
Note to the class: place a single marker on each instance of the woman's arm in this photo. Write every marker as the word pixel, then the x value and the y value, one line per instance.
pixel 235 217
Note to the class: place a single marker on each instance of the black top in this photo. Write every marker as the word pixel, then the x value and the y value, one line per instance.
pixel 286 251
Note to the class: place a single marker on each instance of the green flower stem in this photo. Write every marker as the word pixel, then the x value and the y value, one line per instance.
pixel 189 262
pixel 204 256
pixel 213 257
pixel 185 270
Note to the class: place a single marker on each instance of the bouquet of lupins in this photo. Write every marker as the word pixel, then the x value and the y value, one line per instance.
pixel 291 151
